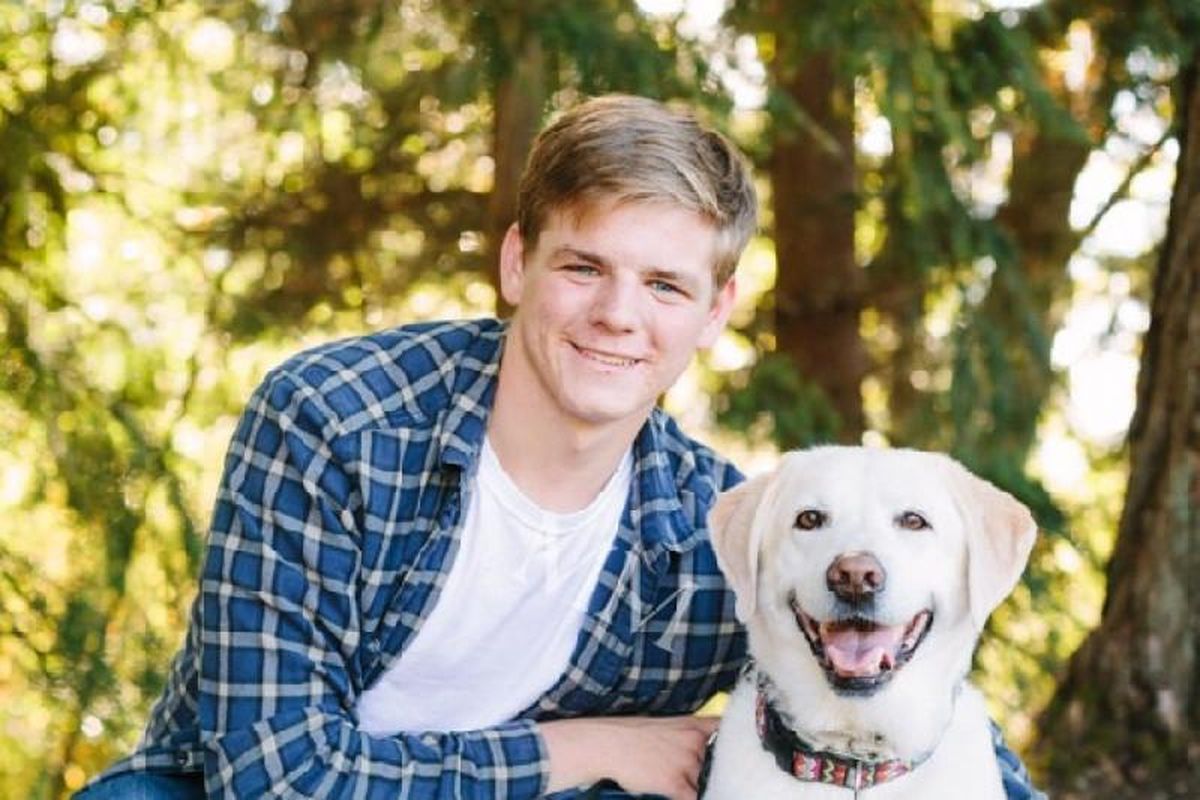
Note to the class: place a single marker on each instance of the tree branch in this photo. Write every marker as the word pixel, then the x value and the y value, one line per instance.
pixel 1122 191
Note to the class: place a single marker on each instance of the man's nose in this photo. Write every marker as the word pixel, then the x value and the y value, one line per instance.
pixel 616 304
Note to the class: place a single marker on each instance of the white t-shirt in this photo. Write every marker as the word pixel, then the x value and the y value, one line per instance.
pixel 505 625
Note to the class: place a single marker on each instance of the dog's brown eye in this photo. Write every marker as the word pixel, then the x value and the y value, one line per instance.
pixel 912 521
pixel 810 519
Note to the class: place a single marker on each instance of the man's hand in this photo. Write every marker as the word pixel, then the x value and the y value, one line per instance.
pixel 646 755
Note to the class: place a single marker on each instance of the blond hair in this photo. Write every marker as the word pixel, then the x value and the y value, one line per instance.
pixel 622 148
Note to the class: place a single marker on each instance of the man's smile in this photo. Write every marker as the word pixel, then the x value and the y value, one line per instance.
pixel 606 358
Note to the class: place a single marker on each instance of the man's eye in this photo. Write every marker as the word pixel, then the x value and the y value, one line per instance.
pixel 662 287
pixel 581 269
pixel 810 519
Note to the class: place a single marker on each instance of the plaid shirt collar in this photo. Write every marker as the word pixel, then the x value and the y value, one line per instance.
pixel 465 423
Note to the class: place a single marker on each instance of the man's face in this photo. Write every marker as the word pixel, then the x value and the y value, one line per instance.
pixel 611 305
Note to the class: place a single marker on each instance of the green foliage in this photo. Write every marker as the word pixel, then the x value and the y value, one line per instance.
pixel 796 413
pixel 593 47
pixel 945 84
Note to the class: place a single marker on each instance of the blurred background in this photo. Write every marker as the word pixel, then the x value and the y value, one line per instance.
pixel 979 236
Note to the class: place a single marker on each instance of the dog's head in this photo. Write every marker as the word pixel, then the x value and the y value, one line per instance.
pixel 861 555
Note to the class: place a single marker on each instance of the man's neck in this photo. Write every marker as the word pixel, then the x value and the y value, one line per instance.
pixel 558 463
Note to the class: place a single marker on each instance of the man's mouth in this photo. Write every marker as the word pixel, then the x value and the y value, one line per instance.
pixel 858 654
pixel 614 360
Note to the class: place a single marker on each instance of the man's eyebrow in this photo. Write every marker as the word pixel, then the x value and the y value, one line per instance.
pixel 582 255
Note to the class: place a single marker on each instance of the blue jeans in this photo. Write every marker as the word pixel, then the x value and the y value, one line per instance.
pixel 147 786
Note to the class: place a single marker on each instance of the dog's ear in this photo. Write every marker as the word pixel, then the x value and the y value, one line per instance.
pixel 1000 535
pixel 736 524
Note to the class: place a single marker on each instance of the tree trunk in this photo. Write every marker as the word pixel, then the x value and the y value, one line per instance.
pixel 1128 706
pixel 818 283
pixel 517 112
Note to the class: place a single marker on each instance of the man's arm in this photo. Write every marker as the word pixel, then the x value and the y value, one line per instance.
pixel 280 630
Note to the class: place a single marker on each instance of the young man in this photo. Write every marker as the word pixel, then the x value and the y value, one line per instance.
pixel 469 559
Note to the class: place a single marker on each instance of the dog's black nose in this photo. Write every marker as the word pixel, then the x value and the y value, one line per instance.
pixel 855 577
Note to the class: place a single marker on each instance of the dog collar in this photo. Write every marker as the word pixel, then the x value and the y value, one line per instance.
pixel 803 762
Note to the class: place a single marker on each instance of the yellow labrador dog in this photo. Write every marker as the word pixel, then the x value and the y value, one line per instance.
pixel 864 577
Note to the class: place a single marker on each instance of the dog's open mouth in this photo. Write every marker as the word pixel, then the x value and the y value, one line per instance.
pixel 859 655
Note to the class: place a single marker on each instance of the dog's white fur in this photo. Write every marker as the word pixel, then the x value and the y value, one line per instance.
pixel 961 568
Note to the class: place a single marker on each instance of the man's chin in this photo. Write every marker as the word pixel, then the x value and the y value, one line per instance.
pixel 607 412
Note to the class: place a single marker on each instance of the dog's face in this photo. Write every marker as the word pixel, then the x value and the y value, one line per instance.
pixel 857 559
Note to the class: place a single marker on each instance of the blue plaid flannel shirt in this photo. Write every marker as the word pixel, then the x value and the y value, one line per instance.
pixel 335 524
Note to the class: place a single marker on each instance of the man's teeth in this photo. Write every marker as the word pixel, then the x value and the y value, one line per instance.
pixel 611 361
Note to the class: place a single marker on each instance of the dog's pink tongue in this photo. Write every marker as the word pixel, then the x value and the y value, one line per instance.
pixel 858 653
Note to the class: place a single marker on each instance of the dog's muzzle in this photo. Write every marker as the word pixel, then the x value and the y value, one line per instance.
pixel 858 654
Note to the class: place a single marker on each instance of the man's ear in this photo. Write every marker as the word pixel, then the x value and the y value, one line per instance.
pixel 718 315
pixel 512 265
pixel 736 525
pixel 1000 536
